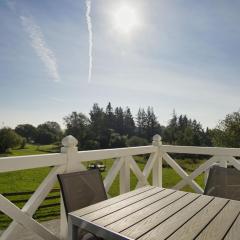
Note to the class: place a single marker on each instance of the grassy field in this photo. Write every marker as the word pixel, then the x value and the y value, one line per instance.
pixel 29 180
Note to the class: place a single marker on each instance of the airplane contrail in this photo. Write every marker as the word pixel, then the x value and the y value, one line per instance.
pixel 42 50
pixel 89 25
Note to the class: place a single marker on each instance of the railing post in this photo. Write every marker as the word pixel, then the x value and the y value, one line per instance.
pixel 223 162
pixel 70 149
pixel 125 176
pixel 157 167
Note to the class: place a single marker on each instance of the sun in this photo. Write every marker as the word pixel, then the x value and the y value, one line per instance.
pixel 125 19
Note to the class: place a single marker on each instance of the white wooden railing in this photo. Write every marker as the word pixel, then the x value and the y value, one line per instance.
pixel 70 159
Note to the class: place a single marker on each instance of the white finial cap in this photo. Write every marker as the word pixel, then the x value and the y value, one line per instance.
pixel 69 141
pixel 157 140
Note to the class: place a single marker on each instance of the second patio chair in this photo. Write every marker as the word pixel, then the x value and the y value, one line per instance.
pixel 79 190
pixel 223 182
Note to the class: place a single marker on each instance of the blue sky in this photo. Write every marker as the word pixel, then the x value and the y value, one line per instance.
pixel 183 55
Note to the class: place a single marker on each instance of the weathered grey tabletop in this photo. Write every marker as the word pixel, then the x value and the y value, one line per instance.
pixel 157 213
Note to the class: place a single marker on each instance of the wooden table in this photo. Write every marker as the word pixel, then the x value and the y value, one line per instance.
pixel 153 213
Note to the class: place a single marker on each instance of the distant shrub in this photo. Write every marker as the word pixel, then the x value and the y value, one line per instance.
pixel 117 140
pixel 9 139
pixel 28 131
pixel 136 141
pixel 48 133
pixel 23 143
pixel 91 145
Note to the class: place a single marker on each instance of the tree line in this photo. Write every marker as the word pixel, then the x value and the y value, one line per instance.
pixel 117 127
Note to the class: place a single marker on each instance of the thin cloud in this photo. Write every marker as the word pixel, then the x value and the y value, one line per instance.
pixel 90 34
pixel 39 45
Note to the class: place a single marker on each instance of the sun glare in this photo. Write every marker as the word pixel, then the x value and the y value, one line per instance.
pixel 125 19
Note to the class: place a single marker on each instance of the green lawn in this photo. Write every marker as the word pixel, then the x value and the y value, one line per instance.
pixel 32 150
pixel 29 180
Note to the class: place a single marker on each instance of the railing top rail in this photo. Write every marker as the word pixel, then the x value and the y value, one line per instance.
pixel 223 151
pixel 8 164
pixel 114 153
pixel 55 159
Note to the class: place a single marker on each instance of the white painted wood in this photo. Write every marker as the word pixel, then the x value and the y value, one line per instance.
pixel 34 202
pixel 182 173
pixel 32 161
pixel 204 167
pixel 63 221
pixel 95 155
pixel 222 161
pixel 42 191
pixel 157 167
pixel 23 219
pixel 113 173
pixel 70 150
pixel 234 162
pixel 125 176
pixel 148 167
pixel 220 151
pixel 157 171
pixel 137 171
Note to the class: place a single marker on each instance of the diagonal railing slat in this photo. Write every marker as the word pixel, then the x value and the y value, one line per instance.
pixel 137 171
pixel 23 219
pixel 148 168
pixel 234 162
pixel 182 173
pixel 113 173
pixel 34 202
pixel 196 172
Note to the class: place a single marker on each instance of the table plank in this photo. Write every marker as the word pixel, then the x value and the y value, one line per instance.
pixel 166 228
pixel 155 219
pixel 234 231
pixel 142 214
pixel 130 209
pixel 115 207
pixel 194 226
pixel 221 223
pixel 111 201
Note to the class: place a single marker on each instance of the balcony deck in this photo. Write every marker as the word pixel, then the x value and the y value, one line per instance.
pixel 124 164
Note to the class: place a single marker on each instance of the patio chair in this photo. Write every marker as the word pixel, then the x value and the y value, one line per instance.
pixel 79 190
pixel 223 182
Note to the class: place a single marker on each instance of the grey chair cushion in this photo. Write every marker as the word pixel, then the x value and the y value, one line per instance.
pixel 223 182
pixel 81 189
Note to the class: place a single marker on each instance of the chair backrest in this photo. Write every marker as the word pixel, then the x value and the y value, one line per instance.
pixel 81 189
pixel 223 182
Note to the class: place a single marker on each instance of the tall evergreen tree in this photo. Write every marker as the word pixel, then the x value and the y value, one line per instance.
pixel 109 117
pixel 119 120
pixel 96 121
pixel 129 124
pixel 152 125
pixel 170 132
pixel 141 123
